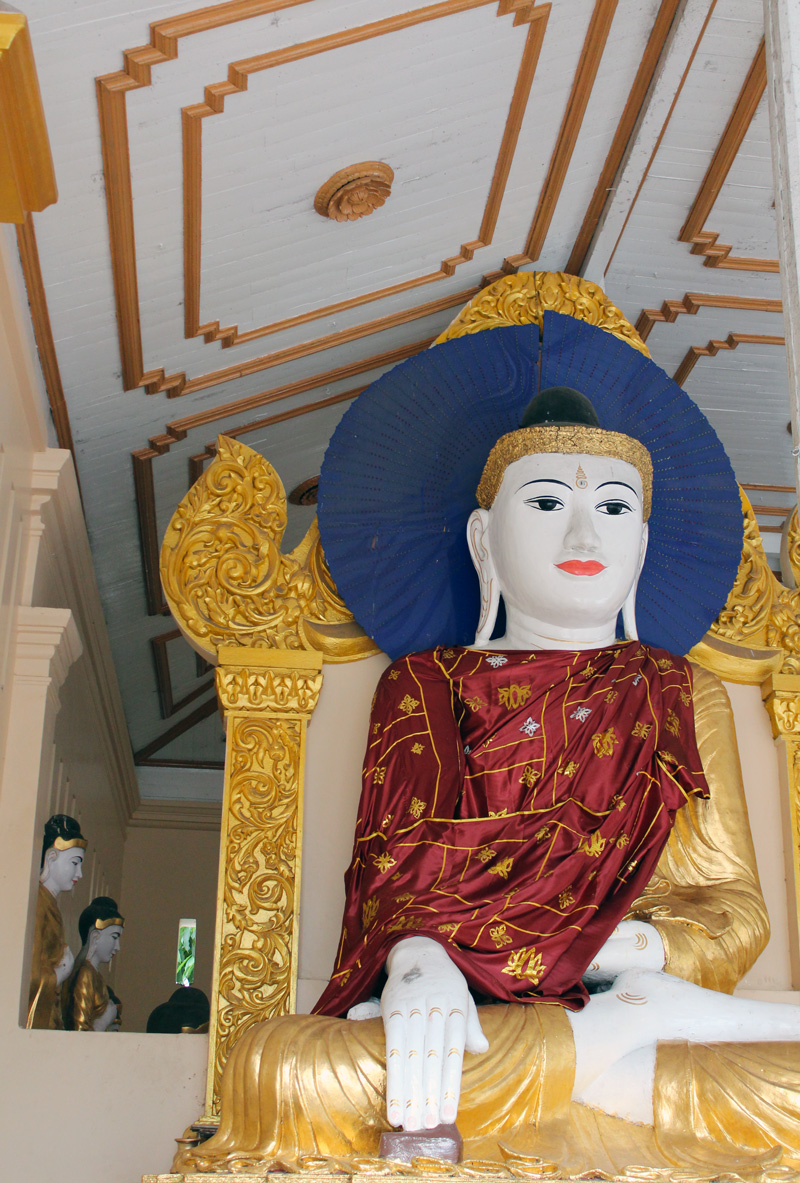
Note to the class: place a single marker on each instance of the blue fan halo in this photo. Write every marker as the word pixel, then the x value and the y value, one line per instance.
pixel 399 477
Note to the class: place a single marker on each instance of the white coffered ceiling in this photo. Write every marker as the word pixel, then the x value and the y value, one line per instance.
pixel 192 288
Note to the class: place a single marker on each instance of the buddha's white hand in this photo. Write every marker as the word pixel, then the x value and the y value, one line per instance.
pixel 632 945
pixel 430 1020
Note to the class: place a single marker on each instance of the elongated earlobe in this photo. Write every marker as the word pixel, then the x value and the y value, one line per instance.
pixel 629 607
pixel 477 527
pixel 629 614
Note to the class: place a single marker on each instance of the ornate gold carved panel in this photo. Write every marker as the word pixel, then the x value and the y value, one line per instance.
pixel 757 633
pixel 525 297
pixel 266 619
pixel 267 697
pixel 226 580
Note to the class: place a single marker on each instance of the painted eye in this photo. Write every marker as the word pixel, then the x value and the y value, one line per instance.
pixel 548 504
pixel 614 508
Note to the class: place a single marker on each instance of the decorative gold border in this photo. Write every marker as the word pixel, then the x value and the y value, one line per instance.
pixel 163 46
pixel 692 302
pixel 238 74
pixel 732 341
pixel 112 90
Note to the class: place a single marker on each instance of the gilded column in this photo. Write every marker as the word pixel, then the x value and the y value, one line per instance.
pixel 781 694
pixel 267 696
pixel 267 620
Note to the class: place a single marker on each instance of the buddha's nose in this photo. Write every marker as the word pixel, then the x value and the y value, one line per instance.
pixel 581 534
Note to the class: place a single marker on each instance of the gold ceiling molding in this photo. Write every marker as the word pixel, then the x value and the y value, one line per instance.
pixel 692 302
pixel 148 755
pixel 226 581
pixel 732 341
pixel 355 192
pixel 605 182
pixel 238 74
pixel 525 297
pixel 176 431
pixel 112 90
pixel 169 704
pixel 704 242
pixel 588 64
pixel 27 177
pixel 43 332
pixel 678 91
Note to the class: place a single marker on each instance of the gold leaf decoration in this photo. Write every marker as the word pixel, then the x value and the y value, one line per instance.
pixel 228 583
pixel 257 949
pixel 524 298
pixel 746 613
pixel 757 633
pixel 355 192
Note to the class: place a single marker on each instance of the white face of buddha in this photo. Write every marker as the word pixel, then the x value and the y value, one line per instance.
pixel 566 541
pixel 62 869
pixel 106 944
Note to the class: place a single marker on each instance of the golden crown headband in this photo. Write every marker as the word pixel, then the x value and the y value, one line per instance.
pixel 573 439
pixel 101 924
pixel 68 843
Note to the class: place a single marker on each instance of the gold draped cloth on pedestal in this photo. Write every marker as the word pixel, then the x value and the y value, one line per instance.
pixel 315 1085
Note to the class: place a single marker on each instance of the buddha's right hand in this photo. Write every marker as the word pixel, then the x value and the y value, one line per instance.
pixel 429 1019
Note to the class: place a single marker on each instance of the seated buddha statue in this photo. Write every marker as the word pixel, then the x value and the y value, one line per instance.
pixel 553 890
pixel 90 1006
pixel 63 848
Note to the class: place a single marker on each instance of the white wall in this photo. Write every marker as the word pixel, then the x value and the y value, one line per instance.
pixel 77 1108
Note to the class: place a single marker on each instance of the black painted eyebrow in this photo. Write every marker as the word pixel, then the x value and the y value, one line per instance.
pixel 546 481
pixel 623 483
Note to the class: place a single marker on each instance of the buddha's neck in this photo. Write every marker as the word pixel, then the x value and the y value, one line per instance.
pixel 48 886
pixel 527 632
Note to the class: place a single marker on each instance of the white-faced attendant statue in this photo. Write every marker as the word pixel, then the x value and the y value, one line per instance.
pixel 90 1006
pixel 63 849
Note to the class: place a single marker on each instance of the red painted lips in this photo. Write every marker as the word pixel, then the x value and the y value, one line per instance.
pixel 581 567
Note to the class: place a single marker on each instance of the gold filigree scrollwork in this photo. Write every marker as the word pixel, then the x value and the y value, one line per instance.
pixel 228 583
pixel 268 697
pixel 756 633
pixel 745 616
pixel 525 297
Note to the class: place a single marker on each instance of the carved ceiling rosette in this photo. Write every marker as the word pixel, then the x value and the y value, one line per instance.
pixel 355 192
pixel 226 580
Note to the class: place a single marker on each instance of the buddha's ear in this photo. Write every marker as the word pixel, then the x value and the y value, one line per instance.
pixel 50 856
pixel 629 607
pixel 478 542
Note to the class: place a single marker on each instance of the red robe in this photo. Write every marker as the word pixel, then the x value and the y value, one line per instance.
pixel 514 805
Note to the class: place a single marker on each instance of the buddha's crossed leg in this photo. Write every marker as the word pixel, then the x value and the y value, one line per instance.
pixel 617 1032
